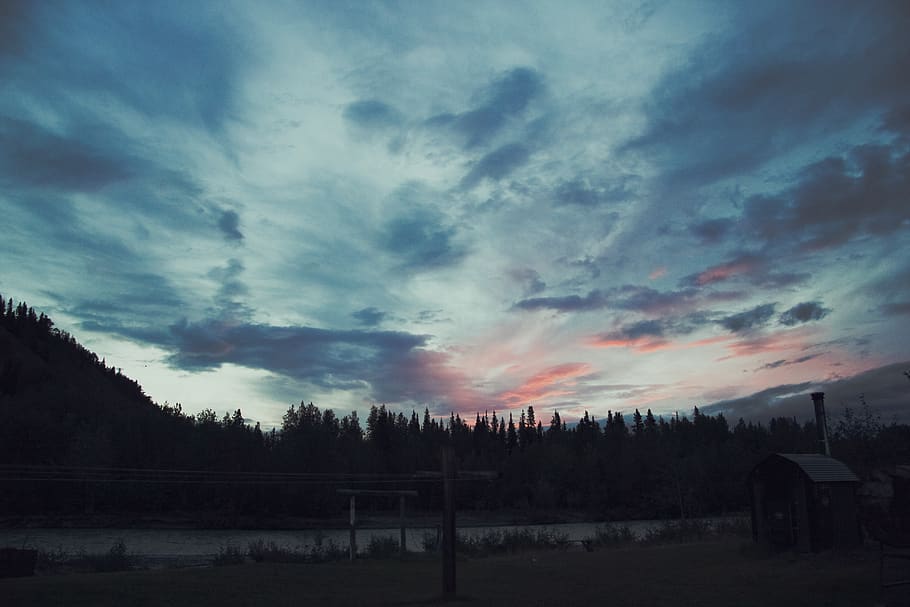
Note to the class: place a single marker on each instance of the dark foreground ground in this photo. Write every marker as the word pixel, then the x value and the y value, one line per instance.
pixel 722 573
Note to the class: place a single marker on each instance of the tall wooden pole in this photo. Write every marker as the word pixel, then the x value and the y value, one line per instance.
pixel 448 522
pixel 402 544
pixel 353 529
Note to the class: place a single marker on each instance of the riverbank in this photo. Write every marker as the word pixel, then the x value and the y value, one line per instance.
pixel 718 573
pixel 366 519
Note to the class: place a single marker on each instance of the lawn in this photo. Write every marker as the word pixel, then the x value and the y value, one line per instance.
pixel 722 573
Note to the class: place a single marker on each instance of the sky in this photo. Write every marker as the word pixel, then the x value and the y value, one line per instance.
pixel 467 206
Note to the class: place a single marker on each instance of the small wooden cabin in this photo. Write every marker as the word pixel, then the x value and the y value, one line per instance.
pixel 805 501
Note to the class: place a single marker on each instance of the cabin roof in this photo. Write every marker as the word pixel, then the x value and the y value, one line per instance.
pixel 821 468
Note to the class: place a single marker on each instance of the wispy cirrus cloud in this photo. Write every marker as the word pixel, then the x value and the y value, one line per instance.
pixel 554 382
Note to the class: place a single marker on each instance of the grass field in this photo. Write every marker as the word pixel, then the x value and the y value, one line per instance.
pixel 722 573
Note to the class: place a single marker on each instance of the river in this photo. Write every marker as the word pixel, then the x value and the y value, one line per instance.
pixel 188 547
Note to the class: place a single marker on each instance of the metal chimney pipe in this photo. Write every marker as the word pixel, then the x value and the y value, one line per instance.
pixel 821 423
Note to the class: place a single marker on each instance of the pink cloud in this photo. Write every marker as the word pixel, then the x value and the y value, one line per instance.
pixel 548 383
pixel 658 273
pixel 724 271
pixel 639 344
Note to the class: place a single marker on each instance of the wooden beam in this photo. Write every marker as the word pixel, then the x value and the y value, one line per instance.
pixel 379 492
pixel 448 522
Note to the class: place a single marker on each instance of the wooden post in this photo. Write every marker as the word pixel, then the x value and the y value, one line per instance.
pixel 353 529
pixel 402 545
pixel 448 522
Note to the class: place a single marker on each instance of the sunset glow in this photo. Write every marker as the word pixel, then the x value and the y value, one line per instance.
pixel 465 207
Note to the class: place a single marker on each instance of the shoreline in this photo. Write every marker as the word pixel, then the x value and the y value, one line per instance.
pixel 367 520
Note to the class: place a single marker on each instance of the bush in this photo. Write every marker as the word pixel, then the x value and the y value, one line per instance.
pixel 115 559
pixel 229 555
pixel 685 530
pixel 510 541
pixel 738 526
pixel 270 552
pixel 610 535
pixel 382 547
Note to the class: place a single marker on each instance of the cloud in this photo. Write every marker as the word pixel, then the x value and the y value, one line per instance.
pixel 372 114
pixel 751 268
pixel 229 224
pixel 884 388
pixel 786 363
pixel 657 333
pixel 644 336
pixel 390 366
pixel 529 279
pixel 721 272
pixel 156 62
pixel 497 165
pixel 14 17
pixel 896 308
pixel 734 104
pixel 35 157
pixel 552 382
pixel 748 320
pixel 803 313
pixel 369 317
pixel 627 297
pixel 835 200
pixel 506 97
pixel 594 300
pixel 712 231
pixel 658 272
pixel 582 192
pixel 421 238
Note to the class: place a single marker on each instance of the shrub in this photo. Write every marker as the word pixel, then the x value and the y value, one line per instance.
pixel 510 541
pixel 610 535
pixel 115 559
pixel 382 547
pixel 685 530
pixel 229 555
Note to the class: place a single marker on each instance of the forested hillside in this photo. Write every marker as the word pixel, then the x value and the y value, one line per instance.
pixel 64 408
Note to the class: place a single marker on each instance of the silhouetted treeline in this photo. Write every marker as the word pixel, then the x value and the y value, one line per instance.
pixel 62 406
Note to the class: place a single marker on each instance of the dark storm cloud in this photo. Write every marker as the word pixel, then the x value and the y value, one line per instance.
pixel 733 105
pixel 497 164
pixel 508 96
pixel 884 389
pixel 31 156
pixel 803 313
pixel 369 317
pixel 758 316
pixel 229 224
pixel 372 113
